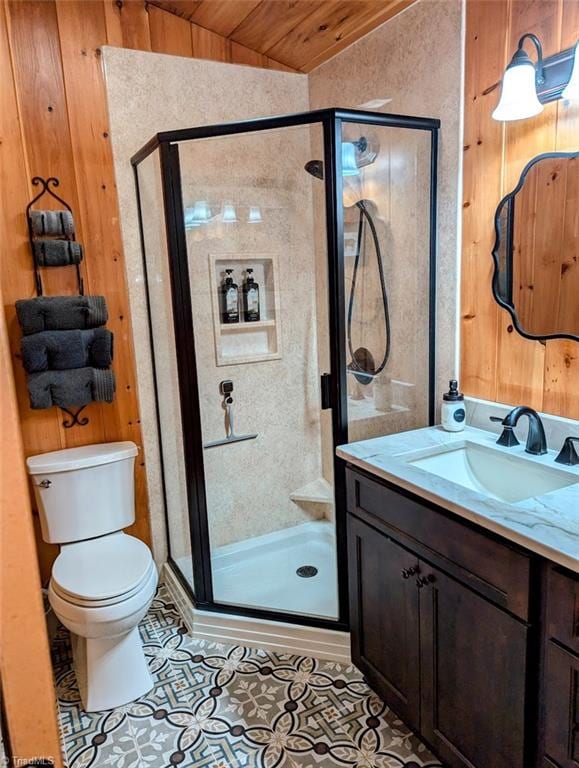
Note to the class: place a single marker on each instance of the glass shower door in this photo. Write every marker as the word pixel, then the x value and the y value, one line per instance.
pixel 257 260
pixel 289 267
pixel 386 199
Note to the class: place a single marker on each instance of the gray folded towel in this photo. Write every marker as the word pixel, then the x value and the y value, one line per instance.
pixel 70 388
pixel 57 253
pixel 59 350
pixel 61 313
pixel 56 223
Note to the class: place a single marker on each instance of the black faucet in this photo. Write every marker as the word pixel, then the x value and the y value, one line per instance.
pixel 568 455
pixel 536 440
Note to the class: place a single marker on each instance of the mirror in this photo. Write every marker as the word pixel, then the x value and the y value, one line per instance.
pixel 536 250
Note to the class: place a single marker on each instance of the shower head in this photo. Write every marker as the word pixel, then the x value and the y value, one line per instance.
pixel 361 153
pixel 315 168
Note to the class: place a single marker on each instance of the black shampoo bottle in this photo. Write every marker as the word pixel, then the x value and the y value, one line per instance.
pixel 250 298
pixel 229 299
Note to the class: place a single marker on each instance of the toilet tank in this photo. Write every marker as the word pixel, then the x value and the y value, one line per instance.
pixel 84 492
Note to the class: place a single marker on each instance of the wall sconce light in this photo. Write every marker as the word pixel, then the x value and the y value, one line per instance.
pixel 201 213
pixel 527 86
pixel 228 213
pixel 571 90
pixel 349 166
pixel 357 154
pixel 254 215
pixel 519 88
pixel 189 219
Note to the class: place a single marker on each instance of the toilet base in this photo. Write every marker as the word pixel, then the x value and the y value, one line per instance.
pixel 110 671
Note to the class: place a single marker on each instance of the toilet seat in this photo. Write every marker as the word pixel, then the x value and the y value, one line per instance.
pixel 103 620
pixel 102 572
pixel 101 603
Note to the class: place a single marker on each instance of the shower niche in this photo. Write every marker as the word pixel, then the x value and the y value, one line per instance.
pixel 247 341
pixel 344 256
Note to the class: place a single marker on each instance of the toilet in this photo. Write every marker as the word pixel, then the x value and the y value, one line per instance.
pixel 103 580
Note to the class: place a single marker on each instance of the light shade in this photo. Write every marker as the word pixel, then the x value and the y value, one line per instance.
pixel 254 215
pixel 571 90
pixel 349 167
pixel 201 213
pixel 518 93
pixel 189 219
pixel 228 213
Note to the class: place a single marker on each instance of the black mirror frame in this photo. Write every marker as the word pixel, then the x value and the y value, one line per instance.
pixel 506 202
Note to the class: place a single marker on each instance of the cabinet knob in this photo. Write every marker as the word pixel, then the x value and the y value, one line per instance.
pixel 408 572
pixel 423 581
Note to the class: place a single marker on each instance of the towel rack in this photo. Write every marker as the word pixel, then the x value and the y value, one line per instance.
pixel 46 184
pixel 75 418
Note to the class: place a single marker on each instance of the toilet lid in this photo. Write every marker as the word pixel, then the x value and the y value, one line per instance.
pixel 103 568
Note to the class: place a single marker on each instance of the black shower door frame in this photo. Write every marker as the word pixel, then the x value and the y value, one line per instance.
pixel 335 387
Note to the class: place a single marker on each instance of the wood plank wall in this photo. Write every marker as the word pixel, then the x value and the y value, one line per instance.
pixel 496 363
pixel 53 122
pixel 28 696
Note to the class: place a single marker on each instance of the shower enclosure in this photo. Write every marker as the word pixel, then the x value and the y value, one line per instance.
pixel 332 214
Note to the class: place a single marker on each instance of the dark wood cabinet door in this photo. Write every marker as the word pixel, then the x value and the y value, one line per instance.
pixel 562 706
pixel 563 608
pixel 473 667
pixel 384 617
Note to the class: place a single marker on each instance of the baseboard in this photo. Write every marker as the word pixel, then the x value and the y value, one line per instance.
pixel 274 636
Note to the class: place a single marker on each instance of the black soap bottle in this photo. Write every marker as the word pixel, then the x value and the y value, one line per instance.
pixel 229 299
pixel 453 413
pixel 250 298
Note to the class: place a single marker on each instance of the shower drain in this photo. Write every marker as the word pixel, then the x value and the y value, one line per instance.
pixel 307 571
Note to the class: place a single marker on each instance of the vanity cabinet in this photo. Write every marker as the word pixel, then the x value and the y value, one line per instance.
pixel 561 671
pixel 439 623
pixel 384 617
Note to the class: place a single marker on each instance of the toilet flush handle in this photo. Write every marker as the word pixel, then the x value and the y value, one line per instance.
pixel 44 483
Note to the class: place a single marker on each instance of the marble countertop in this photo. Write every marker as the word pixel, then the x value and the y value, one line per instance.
pixel 547 524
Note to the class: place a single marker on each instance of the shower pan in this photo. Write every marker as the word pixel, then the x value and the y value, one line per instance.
pixel 329 217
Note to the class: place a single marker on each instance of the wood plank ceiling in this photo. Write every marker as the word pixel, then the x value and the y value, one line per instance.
pixel 301 34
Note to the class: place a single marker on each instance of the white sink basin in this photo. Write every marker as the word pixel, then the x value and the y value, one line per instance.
pixel 493 472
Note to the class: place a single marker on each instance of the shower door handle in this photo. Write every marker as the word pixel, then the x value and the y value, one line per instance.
pixel 326 390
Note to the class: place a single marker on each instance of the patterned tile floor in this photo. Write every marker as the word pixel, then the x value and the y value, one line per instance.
pixel 217 706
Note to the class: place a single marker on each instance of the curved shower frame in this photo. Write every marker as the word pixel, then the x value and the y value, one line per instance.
pixel 333 385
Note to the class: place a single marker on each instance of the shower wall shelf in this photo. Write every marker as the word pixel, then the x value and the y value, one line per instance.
pixel 241 327
pixel 318 492
pixel 247 342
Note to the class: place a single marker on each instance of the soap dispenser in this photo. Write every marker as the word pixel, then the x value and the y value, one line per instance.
pixel 250 298
pixel 453 413
pixel 229 299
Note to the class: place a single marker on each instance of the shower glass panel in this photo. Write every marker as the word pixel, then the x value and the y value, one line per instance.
pixel 329 217
pixel 248 207
pixel 386 215
pixel 161 322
